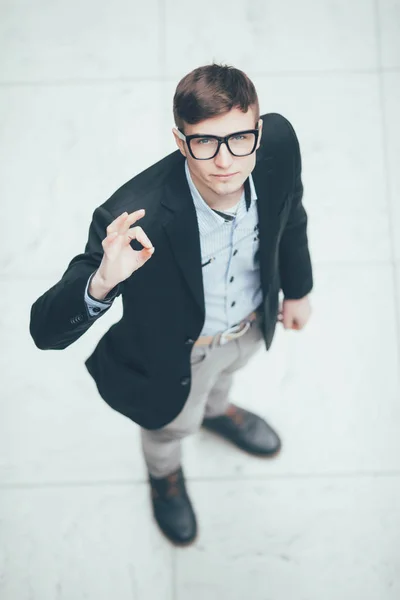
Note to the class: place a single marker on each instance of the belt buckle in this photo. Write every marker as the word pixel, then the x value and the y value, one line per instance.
pixel 228 335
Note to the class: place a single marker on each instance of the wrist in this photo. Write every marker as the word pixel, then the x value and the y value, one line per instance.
pixel 98 287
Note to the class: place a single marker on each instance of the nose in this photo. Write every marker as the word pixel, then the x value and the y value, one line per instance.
pixel 224 158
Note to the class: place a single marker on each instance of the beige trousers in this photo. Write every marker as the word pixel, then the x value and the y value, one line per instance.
pixel 212 370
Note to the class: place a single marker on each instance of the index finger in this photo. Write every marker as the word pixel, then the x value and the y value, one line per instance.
pixel 132 218
pixel 117 224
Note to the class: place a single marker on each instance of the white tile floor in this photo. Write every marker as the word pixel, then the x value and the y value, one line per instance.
pixel 80 84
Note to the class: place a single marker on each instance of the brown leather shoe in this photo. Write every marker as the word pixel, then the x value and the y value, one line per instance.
pixel 246 430
pixel 172 508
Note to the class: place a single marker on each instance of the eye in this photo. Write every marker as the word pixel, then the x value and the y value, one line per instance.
pixel 202 141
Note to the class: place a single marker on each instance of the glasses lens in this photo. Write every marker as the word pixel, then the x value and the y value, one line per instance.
pixel 203 147
pixel 242 143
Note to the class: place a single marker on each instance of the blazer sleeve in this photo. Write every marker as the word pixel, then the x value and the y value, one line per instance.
pixel 60 316
pixel 294 257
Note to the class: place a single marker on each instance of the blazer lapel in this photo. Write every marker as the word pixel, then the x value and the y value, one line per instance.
pixel 267 219
pixel 181 227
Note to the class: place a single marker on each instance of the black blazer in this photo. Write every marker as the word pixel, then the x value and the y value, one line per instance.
pixel 142 364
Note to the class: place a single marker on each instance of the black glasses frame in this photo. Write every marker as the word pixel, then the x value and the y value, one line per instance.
pixel 221 140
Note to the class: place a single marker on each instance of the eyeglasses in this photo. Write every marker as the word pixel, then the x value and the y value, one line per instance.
pixel 205 147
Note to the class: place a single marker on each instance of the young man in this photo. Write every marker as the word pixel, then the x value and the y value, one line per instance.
pixel 229 229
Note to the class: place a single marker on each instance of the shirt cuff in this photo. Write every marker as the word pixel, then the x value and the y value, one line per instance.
pixel 95 307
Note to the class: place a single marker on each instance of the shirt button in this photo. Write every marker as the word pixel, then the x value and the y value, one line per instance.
pixel 233 303
pixel 234 254
pixel 185 380
pixel 96 309
pixel 231 279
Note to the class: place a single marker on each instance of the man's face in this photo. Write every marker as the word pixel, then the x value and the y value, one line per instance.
pixel 224 174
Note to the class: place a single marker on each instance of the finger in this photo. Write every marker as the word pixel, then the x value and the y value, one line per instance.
pixel 113 240
pixel 143 238
pixel 117 223
pixel 137 233
pixel 131 219
pixel 110 238
pixel 144 255
pixel 287 322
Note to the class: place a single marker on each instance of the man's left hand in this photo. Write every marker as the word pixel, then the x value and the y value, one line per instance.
pixel 294 314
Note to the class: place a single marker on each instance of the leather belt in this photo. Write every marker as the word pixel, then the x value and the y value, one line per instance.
pixel 223 337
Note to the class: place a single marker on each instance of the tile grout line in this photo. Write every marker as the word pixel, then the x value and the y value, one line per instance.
pixel 162 38
pixel 162 62
pixel 172 79
pixel 386 166
pixel 174 574
pixel 166 109
pixel 206 479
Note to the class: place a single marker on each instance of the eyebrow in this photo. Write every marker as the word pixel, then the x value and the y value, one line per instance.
pixel 216 135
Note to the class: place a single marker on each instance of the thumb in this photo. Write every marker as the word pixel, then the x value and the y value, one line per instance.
pixel 144 255
pixel 287 320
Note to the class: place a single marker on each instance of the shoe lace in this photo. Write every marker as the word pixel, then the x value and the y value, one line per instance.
pixel 235 414
pixel 173 487
pixel 169 488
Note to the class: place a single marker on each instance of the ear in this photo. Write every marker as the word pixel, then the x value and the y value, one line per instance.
pixel 260 126
pixel 180 143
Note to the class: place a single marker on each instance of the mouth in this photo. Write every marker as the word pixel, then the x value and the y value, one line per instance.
pixel 225 176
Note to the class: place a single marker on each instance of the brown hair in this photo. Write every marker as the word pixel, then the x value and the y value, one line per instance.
pixel 210 91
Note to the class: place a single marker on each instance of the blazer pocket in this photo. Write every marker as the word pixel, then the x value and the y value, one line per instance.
pixel 198 355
